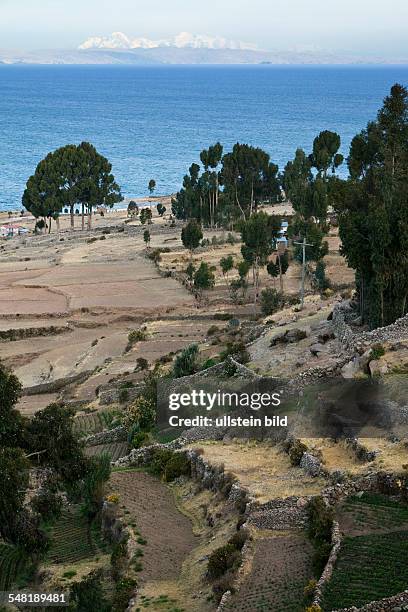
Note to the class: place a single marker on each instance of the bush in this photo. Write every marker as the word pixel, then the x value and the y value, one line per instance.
pixel 170 465
pixel 87 595
pixel 93 486
pixel 322 281
pixel 155 255
pixel 142 363
pixel 124 591
pixel 222 585
pixel 320 524
pixel 238 539
pixel 141 438
pixel 186 362
pixel 223 559
pixel 214 329
pixel 238 351
pixel 209 363
pixel 47 504
pixel 271 301
pixel 296 452
pixel 137 335
pixel 223 316
pixel 141 414
pixel 377 352
pixel 119 559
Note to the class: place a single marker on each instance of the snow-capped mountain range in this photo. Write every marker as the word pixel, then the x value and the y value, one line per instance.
pixel 184 40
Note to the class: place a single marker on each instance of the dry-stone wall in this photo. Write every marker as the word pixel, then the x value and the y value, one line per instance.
pixel 279 514
pixel 118 434
pixel 397 603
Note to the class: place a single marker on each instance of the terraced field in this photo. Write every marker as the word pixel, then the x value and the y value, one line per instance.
pixel 11 562
pixel 166 534
pixel 372 563
pixel 87 424
pixel 114 449
pixel 280 571
pixel 71 539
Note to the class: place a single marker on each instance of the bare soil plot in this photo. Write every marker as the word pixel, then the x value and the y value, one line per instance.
pixel 149 504
pixel 281 568
pixel 27 301
pixel 263 469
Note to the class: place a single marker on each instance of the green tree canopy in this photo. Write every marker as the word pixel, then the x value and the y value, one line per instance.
pixel 248 178
pixel 191 235
pixel 71 176
pixel 373 212
pixel 11 421
pixel 50 435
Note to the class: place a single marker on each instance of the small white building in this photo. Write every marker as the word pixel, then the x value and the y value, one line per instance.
pixel 9 230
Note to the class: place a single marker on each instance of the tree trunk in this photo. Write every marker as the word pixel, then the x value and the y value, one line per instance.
pixel 280 273
pixel 83 218
pixel 72 216
pixel 90 218
pixel 49 226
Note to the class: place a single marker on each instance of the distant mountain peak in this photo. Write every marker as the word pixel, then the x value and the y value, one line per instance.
pixel 184 40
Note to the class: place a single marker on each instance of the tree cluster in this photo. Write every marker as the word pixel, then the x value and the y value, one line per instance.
pixel 74 177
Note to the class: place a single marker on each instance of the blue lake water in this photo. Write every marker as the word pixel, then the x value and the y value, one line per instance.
pixel 152 122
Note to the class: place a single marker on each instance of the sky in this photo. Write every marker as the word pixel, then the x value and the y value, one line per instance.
pixel 359 26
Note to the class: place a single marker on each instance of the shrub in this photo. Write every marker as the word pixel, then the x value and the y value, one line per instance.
pixel 155 255
pixel 140 414
pixel 238 351
pixel 87 595
pixel 141 438
pixel 113 498
pixel 238 539
pixel 137 335
pixel 170 465
pixel 271 301
pixel 124 591
pixel 222 585
pixel 178 466
pixel 186 362
pixel 93 486
pixel 377 351
pixel 296 452
pixel 209 363
pixel 142 363
pixel 214 329
pixel 320 524
pixel 47 503
pixel 223 316
pixel 119 559
pixel 322 281
pixel 222 559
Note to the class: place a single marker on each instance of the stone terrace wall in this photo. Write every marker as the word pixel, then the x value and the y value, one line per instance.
pixel 279 514
pixel 397 603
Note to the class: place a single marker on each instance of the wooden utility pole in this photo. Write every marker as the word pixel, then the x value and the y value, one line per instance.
pixel 303 244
